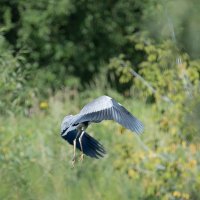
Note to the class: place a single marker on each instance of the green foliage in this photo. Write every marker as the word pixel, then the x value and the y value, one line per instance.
pixel 190 124
pixel 166 173
pixel 176 20
pixel 35 161
pixel 172 75
pixel 119 74
pixel 68 37
pixel 168 170
pixel 14 74
pixel 52 50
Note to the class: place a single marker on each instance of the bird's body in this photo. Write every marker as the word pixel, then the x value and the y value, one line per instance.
pixel 103 108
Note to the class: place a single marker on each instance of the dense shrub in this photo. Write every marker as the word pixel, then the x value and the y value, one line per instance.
pixel 172 79
pixel 70 37
pixel 15 75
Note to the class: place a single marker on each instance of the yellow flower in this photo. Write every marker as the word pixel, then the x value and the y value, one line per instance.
pixel 192 163
pixel 44 105
pixel 193 148
pixel 133 174
pixel 176 194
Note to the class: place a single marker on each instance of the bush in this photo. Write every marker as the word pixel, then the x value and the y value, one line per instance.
pixel 70 37
pixel 14 76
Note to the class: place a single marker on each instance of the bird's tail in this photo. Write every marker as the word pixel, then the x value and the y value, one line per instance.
pixel 91 147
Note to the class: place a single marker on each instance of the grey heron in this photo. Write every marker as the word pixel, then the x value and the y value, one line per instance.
pixel 103 108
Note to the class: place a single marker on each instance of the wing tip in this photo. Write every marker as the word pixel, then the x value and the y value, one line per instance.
pixel 138 127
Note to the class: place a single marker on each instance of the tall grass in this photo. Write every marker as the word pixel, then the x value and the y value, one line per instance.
pixel 35 162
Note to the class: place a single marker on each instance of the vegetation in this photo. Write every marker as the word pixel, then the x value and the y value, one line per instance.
pixel 56 56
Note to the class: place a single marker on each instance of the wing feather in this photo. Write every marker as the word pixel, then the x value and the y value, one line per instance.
pixel 91 147
pixel 106 108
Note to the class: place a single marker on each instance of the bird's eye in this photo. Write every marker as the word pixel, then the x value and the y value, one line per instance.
pixel 74 124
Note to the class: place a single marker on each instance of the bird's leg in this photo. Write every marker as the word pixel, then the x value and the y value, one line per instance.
pixel 74 155
pixel 80 141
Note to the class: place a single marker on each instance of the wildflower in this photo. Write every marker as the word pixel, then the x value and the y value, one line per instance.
pixel 193 148
pixel 44 105
pixel 192 163
pixel 133 174
pixel 176 194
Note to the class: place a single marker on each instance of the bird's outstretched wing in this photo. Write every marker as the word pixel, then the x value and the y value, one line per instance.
pixel 106 108
pixel 91 147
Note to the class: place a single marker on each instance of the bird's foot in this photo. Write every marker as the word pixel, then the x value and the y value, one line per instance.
pixel 81 157
pixel 73 162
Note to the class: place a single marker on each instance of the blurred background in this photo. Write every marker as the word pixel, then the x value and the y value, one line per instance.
pixel 58 55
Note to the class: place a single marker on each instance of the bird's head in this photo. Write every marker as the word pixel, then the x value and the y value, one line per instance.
pixel 66 123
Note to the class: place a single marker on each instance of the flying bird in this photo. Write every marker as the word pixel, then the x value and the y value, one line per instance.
pixel 103 108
